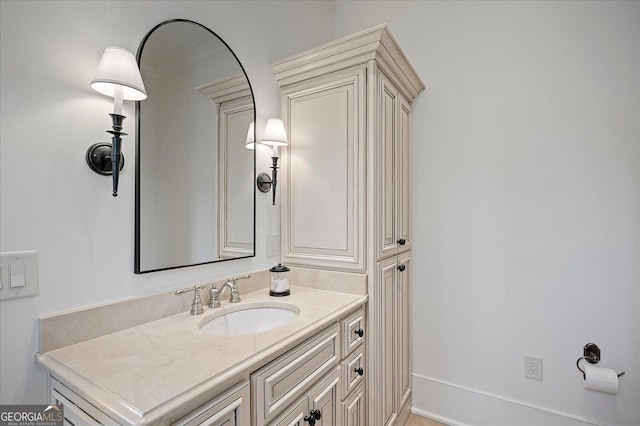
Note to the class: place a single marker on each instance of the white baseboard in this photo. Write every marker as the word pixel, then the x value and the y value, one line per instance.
pixel 456 405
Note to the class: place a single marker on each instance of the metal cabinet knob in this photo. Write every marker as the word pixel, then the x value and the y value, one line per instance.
pixel 359 332
pixel 402 241
pixel 312 417
pixel 359 370
pixel 402 267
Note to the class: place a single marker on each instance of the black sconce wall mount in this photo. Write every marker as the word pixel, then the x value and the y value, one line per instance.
pixel 102 157
pixel 275 135
pixel 266 182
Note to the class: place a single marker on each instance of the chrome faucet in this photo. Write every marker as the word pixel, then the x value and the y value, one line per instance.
pixel 234 294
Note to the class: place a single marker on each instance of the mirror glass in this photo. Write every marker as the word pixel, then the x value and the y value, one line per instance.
pixel 195 197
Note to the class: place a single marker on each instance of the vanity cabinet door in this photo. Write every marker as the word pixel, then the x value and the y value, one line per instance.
pixel 281 382
pixel 229 409
pixel 353 409
pixel 295 415
pixel 393 171
pixel 73 415
pixel 77 411
pixel 323 399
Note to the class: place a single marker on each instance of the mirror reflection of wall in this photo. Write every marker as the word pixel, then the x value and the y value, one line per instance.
pixel 181 162
pixel 235 115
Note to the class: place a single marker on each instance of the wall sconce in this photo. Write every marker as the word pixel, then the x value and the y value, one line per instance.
pixel 117 76
pixel 276 136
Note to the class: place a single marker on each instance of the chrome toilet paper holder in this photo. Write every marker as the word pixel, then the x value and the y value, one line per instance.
pixel 591 354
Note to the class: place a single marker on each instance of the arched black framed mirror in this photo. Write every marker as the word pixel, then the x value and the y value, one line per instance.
pixel 195 197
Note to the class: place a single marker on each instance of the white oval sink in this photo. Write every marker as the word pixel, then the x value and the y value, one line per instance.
pixel 249 321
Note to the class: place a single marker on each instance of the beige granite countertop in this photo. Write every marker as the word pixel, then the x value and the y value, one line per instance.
pixel 152 372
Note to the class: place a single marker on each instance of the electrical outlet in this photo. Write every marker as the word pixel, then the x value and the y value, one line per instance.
pixel 533 367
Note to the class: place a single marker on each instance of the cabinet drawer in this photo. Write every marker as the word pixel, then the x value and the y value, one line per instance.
pixel 279 383
pixel 353 331
pixel 351 369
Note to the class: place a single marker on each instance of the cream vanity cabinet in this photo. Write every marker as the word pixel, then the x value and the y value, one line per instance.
pixel 346 190
pixel 318 382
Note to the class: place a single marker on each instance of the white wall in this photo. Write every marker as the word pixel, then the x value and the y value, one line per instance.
pixel 526 204
pixel 53 203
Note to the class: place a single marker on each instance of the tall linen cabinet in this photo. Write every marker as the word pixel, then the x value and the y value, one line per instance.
pixel 346 192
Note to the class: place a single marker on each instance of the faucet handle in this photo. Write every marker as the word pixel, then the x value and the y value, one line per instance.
pixel 239 277
pixel 196 306
pixel 234 296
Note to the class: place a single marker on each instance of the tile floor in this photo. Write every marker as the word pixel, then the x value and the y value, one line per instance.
pixel 421 421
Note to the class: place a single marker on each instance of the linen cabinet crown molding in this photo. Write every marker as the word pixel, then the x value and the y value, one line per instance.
pixel 355 50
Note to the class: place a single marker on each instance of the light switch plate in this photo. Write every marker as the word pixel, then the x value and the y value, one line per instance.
pixel 30 278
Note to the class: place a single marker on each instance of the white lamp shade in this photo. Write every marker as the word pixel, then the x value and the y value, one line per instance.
pixel 118 67
pixel 250 143
pixel 274 133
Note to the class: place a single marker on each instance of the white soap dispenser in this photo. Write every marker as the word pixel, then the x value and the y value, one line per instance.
pixel 279 281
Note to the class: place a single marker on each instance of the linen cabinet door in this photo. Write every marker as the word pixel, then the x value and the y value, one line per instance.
pixel 403 329
pixel 386 169
pixel 393 171
pixel 384 392
pixel 403 176
pixel 323 172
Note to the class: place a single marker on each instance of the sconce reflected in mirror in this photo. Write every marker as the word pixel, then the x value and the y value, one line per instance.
pixel 117 76
pixel 250 143
pixel 274 135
